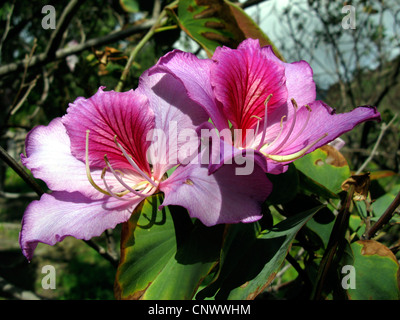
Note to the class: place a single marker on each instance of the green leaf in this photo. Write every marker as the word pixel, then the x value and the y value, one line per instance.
pixel 131 6
pixel 251 257
pixel 380 205
pixel 376 272
pixel 163 254
pixel 326 167
pixel 213 23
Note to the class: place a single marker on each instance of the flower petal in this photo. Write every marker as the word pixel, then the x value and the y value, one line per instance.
pixel 108 114
pixel 222 197
pixel 61 214
pixel 299 78
pixel 243 78
pixel 176 118
pixel 321 121
pixel 194 74
pixel 48 156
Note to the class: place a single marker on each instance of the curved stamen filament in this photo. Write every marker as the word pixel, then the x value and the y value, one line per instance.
pixel 122 181
pixel 303 128
pixel 279 147
pixel 279 134
pixel 257 127
pixel 265 122
pixel 88 174
pixel 133 164
pixel 294 156
pixel 112 194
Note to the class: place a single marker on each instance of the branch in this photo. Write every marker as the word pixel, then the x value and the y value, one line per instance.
pixel 378 141
pixel 140 45
pixel 384 219
pixel 41 59
pixel 62 25
pixel 20 171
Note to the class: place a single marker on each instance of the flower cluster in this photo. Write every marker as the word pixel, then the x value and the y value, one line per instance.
pixel 204 132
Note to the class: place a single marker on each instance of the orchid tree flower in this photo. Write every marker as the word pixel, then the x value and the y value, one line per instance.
pixel 112 150
pixel 258 103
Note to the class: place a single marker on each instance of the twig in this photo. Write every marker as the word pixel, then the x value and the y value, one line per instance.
pixel 103 252
pixel 41 58
pixel 384 219
pixel 335 240
pixel 7 28
pixel 378 141
pixel 32 84
pixel 62 24
pixel 20 171
pixel 139 46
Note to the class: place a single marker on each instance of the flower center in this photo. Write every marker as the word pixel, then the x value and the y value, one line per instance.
pixel 144 188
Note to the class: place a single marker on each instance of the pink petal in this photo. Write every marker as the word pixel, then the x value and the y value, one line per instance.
pixel 49 158
pixel 323 120
pixel 194 74
pixel 299 77
pixel 61 214
pixel 222 197
pixel 109 114
pixel 176 116
pixel 242 79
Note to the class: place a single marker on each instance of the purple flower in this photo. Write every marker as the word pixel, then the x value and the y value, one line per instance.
pixel 259 104
pixel 111 151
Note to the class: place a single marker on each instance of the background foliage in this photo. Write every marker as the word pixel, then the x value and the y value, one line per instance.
pixel 308 232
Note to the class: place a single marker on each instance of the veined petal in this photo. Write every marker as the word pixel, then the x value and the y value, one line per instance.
pixel 194 74
pixel 108 114
pixel 222 197
pixel 242 79
pixel 48 156
pixel 61 214
pixel 176 120
pixel 320 123
pixel 299 81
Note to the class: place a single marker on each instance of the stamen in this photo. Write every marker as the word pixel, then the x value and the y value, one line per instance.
pixel 303 128
pixel 294 156
pixel 265 122
pixel 258 126
pixel 114 195
pixel 291 128
pixel 133 164
pixel 122 181
pixel 279 134
pixel 88 174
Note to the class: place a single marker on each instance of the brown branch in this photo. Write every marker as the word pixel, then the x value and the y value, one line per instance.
pixel 62 25
pixel 41 59
pixel 384 219
pixel 20 171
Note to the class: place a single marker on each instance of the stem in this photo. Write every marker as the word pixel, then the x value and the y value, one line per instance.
pixel 137 49
pixel 385 218
pixel 337 235
pixel 20 171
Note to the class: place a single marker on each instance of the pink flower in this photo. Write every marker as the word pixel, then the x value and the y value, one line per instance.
pixel 111 151
pixel 259 104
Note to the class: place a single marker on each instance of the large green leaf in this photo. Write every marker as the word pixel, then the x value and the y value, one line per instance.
pixel 376 272
pixel 251 257
pixel 213 23
pixel 163 254
pixel 326 168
